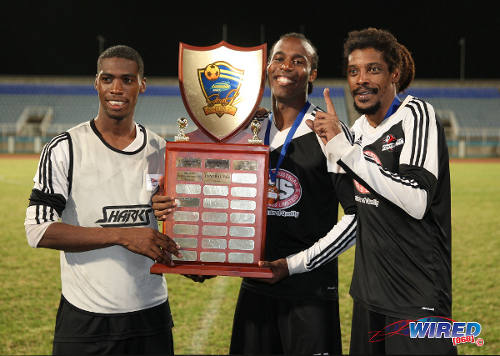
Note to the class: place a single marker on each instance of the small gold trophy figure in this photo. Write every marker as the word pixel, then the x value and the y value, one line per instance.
pixel 255 126
pixel 181 136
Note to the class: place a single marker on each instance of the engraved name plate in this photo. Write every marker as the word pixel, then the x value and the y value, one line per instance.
pixel 183 202
pixel 186 256
pixel 217 163
pixel 244 178
pixel 215 203
pixel 188 189
pixel 188 162
pixel 241 244
pixel 189 176
pixel 243 205
pixel 186 215
pixel 184 229
pixel 242 218
pixel 186 242
pixel 240 257
pixel 243 165
pixel 244 192
pixel 208 216
pixel 222 190
pixel 217 177
pixel 214 230
pixel 220 244
pixel 212 257
pixel 242 231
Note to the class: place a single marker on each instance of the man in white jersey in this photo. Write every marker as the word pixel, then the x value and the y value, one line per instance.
pixel 92 200
pixel 399 164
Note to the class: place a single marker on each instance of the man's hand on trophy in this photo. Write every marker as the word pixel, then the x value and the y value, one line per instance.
pixel 279 269
pixel 163 205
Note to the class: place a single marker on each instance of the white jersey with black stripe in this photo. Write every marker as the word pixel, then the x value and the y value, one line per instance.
pixel 83 181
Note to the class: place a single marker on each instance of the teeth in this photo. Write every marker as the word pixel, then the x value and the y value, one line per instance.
pixel 284 80
pixel 112 102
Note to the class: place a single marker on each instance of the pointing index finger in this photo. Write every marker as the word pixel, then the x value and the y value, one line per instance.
pixel 330 108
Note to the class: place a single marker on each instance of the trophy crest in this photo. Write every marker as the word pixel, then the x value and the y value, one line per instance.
pixel 221 86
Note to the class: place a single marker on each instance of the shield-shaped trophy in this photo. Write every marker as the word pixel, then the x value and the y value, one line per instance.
pixel 219 173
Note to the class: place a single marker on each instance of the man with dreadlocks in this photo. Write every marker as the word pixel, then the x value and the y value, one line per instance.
pixel 399 163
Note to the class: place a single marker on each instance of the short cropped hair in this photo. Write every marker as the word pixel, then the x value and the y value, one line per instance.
pixel 314 55
pixel 122 51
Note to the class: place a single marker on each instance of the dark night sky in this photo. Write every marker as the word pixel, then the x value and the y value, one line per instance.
pixel 60 37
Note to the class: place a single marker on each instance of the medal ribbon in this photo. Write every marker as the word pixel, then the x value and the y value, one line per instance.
pixel 288 139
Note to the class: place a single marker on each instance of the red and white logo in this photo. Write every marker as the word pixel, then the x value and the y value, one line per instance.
pixel 390 142
pixel 359 187
pixel 389 138
pixel 289 188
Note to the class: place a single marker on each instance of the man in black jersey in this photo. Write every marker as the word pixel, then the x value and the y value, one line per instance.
pixel 300 314
pixel 399 164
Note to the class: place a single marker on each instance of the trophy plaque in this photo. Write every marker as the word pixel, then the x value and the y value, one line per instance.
pixel 219 173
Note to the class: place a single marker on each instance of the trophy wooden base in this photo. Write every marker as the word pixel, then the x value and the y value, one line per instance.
pixel 233 270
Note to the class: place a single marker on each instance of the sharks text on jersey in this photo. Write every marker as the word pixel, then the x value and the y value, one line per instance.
pixel 125 215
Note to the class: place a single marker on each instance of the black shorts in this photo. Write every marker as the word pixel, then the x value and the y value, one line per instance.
pixel 274 325
pixel 147 331
pixel 366 341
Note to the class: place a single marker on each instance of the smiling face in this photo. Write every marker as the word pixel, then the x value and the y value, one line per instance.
pixel 118 85
pixel 372 85
pixel 289 70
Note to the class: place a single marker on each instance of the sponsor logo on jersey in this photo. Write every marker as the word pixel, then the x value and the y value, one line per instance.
pixel 434 327
pixel 290 192
pixel 359 187
pixel 125 215
pixel 390 141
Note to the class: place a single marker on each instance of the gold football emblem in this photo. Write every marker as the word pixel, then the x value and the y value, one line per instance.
pixel 212 72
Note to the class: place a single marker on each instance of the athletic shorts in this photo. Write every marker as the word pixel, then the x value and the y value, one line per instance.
pixel 367 340
pixel 147 331
pixel 276 325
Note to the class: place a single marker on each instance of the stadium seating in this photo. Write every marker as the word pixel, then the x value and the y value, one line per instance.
pixel 469 114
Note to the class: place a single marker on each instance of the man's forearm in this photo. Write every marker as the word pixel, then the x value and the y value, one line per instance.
pixel 70 238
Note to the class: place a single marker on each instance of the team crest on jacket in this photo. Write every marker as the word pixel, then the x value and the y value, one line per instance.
pixel 125 215
pixel 289 188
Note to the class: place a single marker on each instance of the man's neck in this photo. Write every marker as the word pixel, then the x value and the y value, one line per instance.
pixel 384 112
pixel 286 113
pixel 117 133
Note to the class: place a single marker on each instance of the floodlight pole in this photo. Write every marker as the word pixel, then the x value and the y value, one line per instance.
pixel 101 40
pixel 224 32
pixel 461 42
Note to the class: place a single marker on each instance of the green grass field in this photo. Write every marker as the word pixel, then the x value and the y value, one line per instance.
pixel 30 283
